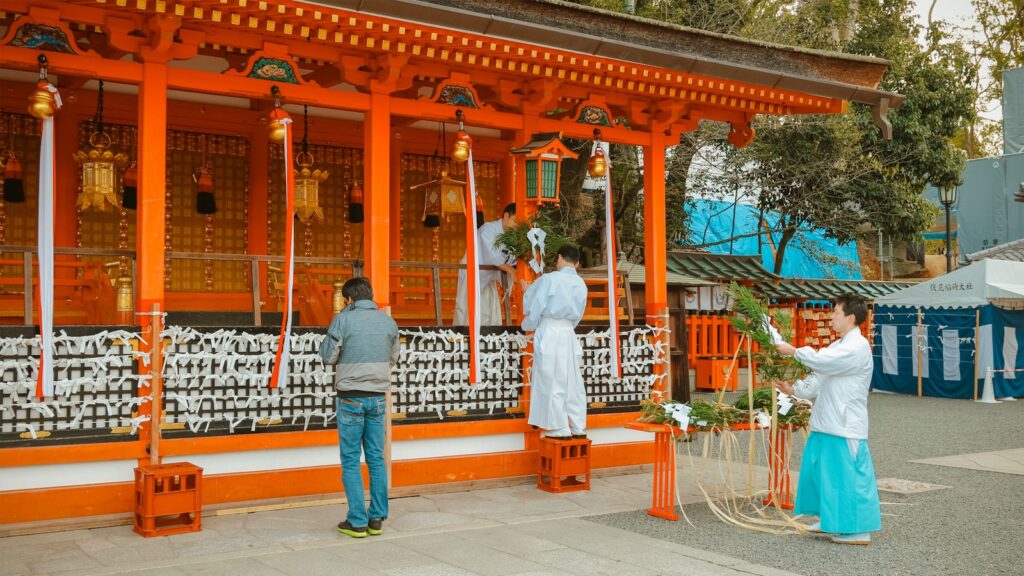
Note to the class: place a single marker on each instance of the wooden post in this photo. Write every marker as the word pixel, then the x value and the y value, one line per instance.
pixel 149 228
pixel 377 194
pixel 977 348
pixel 655 239
pixel 155 384
pixel 920 353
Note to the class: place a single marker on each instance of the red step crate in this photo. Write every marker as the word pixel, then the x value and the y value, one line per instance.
pixel 168 499
pixel 561 462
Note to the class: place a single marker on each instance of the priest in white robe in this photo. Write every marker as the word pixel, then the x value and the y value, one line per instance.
pixel 488 254
pixel 553 306
pixel 837 477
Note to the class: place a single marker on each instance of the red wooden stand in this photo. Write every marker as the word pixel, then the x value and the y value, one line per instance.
pixel 778 470
pixel 168 499
pixel 663 503
pixel 561 462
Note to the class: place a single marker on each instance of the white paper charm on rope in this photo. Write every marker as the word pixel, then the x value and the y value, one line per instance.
pixel 45 235
pixel 536 237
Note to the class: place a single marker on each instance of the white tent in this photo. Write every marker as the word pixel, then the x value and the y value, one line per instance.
pixel 979 284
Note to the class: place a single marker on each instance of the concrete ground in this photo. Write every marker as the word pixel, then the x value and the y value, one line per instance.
pixel 952 504
pixel 952 471
pixel 514 530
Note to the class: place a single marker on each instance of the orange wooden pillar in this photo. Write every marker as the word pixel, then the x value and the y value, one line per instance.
pixel 377 196
pixel 149 227
pixel 396 198
pixel 663 497
pixel 656 287
pixel 152 183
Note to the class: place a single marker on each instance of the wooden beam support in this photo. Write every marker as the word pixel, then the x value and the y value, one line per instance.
pixel 241 87
pixel 152 172
pixel 377 196
pixel 655 240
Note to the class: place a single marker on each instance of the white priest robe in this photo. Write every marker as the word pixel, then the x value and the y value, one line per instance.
pixel 554 305
pixel 488 254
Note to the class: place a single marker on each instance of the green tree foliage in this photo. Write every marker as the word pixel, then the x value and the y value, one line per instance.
pixel 1002 37
pixel 832 172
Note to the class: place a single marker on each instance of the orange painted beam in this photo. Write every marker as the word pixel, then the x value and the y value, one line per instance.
pixel 73 65
pixel 655 240
pixel 117 498
pixel 152 122
pixel 425 110
pixel 377 196
pixel 242 87
pixel 38 455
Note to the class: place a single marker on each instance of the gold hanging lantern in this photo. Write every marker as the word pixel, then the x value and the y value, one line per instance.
pixel 100 172
pixel 307 188
pixel 101 168
pixel 307 179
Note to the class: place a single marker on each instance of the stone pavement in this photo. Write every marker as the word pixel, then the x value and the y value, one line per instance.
pixel 1005 461
pixel 510 530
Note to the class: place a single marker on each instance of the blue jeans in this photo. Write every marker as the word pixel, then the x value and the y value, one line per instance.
pixel 361 430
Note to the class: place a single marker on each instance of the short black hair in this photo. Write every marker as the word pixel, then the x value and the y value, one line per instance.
pixel 570 253
pixel 509 210
pixel 357 289
pixel 853 304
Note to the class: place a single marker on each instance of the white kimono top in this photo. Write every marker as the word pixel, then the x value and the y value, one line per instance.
pixel 561 295
pixel 840 380
pixel 488 253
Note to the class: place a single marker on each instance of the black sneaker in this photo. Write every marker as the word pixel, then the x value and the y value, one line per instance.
pixel 375 527
pixel 579 436
pixel 345 528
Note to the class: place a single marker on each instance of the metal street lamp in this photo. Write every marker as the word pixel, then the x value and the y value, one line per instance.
pixel 947 196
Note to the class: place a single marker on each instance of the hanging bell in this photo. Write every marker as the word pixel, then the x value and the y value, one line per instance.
pixel 130 188
pixel 41 103
pixel 14 186
pixel 461 146
pixel 355 203
pixel 307 188
pixel 597 164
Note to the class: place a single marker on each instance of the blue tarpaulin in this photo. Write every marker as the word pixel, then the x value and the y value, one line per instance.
pixel 809 254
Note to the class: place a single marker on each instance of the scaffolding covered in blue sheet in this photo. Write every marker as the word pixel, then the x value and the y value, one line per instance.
pixel 809 255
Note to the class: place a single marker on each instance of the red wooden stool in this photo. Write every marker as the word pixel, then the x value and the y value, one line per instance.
pixel 561 462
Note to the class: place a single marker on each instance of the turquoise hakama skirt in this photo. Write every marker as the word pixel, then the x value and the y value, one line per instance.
pixel 837 487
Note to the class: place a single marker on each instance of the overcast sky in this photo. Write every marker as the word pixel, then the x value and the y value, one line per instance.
pixel 961 13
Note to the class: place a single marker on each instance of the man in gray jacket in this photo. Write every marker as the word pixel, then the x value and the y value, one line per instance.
pixel 362 344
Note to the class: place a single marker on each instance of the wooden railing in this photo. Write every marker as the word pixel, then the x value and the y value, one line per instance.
pixel 83 290
pixel 420 292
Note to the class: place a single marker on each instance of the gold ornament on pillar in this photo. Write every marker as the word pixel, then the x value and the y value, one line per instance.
pixel 101 167
pixel 307 179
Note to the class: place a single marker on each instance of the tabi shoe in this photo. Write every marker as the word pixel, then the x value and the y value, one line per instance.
pixel 816 528
pixel 559 437
pixel 862 539
pixel 579 436
pixel 345 528
pixel 375 527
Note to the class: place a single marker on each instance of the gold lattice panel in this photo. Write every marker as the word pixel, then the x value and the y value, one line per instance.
pixel 18 221
pixel 418 242
pixel 229 162
pixel 335 237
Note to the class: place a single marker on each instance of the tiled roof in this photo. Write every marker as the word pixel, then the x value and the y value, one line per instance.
pixel 726 268
pixel 1013 251
pixel 720 267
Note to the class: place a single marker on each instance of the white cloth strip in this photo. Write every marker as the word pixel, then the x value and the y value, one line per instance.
pixel 1010 347
pixel 890 354
pixel 951 355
